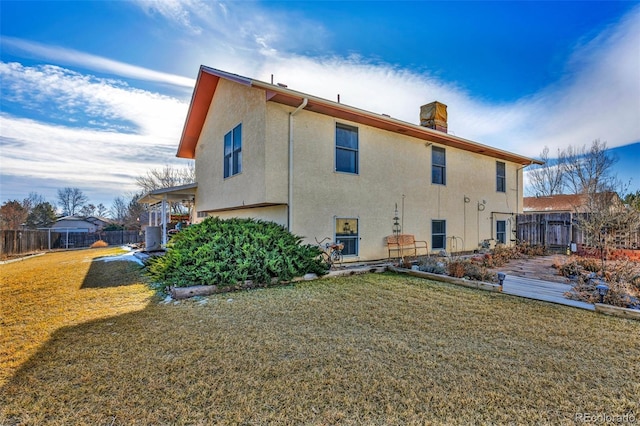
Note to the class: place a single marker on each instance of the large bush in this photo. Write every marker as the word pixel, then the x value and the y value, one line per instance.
pixel 228 252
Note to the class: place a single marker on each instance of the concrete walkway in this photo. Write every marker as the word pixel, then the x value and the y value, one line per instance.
pixel 542 290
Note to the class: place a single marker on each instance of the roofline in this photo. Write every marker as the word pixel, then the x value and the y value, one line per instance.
pixel 208 79
pixel 158 195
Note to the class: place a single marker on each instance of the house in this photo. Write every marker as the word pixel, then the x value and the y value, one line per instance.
pixel 325 169
pixel 89 224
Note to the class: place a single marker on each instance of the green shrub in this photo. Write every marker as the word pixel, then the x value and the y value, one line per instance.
pixel 228 252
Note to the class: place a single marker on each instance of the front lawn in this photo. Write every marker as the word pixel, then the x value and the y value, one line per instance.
pixel 369 349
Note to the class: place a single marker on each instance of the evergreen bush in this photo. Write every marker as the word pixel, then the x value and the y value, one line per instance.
pixel 228 252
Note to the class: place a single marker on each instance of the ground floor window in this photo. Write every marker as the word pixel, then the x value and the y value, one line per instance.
pixel 347 234
pixel 438 234
pixel 501 231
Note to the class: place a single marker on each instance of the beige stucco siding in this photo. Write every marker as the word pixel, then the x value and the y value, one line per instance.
pixel 277 214
pixel 390 166
pixel 232 104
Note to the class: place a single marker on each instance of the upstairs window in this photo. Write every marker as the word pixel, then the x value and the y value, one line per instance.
pixel 346 149
pixel 438 166
pixel 501 177
pixel 233 152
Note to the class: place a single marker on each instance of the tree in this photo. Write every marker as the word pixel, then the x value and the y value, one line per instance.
pixel 42 216
pixel 119 210
pixel 167 177
pixel 589 170
pixel 32 200
pixel 548 178
pixel 92 210
pixel 12 215
pixel 71 200
pixel 88 210
pixel 101 210
pixel 126 211
pixel 633 200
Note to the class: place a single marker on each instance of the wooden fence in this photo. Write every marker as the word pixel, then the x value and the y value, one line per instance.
pixel 13 243
pixel 84 239
pixel 558 230
pixel 20 242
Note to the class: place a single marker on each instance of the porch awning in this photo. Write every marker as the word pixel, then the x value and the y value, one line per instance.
pixel 174 193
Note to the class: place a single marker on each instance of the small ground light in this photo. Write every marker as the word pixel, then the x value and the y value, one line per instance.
pixel 603 289
pixel 501 277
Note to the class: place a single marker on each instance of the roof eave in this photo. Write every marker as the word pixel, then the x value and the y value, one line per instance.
pixel 207 82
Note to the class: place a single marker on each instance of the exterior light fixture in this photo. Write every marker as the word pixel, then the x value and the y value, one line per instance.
pixel 501 277
pixel 603 289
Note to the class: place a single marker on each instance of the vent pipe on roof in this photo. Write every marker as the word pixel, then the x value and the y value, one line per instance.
pixel 434 116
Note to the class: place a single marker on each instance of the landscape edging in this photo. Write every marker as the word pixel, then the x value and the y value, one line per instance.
pixel 481 285
pixel 617 311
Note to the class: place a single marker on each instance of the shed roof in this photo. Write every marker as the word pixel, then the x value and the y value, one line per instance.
pixel 207 83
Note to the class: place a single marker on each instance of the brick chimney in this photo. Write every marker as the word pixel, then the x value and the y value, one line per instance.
pixel 434 116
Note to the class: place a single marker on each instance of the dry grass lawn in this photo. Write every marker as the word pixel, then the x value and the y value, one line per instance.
pixel 86 343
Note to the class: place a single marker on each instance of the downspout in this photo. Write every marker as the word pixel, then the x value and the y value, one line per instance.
pixel 290 195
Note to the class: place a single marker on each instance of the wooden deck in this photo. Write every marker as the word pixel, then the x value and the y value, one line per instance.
pixel 546 291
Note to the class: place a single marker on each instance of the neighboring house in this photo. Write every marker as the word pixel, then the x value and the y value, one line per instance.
pixel 326 169
pixel 88 224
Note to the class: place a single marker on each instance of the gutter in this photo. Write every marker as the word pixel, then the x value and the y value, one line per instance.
pixel 290 192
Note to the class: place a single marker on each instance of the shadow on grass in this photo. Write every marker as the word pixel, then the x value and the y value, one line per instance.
pixel 106 274
pixel 387 352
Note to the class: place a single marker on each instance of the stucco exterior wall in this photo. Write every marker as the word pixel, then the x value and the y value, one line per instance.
pixel 392 169
pixel 232 104
pixel 277 214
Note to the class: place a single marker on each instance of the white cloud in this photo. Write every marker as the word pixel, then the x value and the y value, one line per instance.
pixel 133 130
pixel 65 56
pixel 597 97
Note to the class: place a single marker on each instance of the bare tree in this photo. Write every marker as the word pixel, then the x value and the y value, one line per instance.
pixel 88 210
pixel 166 177
pixel 32 200
pixel 589 170
pixel 71 200
pixel 548 178
pixel 101 210
pixel 119 210
pixel 126 210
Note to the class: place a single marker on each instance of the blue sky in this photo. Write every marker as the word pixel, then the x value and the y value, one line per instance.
pixel 95 93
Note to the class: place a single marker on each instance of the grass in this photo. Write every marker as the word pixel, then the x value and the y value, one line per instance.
pixel 371 349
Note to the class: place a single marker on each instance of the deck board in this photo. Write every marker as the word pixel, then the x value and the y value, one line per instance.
pixel 546 291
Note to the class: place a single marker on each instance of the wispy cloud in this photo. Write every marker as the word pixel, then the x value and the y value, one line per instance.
pixel 70 57
pixel 97 154
pixel 598 96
